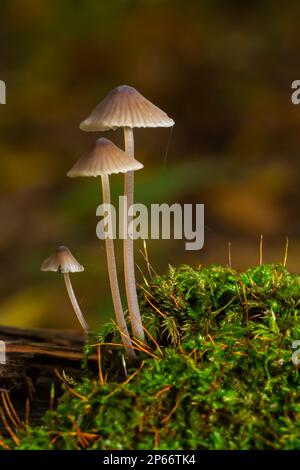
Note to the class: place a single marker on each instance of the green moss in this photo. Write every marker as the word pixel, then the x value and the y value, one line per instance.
pixel 222 377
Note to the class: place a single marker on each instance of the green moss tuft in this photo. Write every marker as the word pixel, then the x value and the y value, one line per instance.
pixel 222 378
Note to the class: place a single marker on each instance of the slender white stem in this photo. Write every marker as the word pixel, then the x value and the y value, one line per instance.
pixel 113 279
pixel 130 282
pixel 75 304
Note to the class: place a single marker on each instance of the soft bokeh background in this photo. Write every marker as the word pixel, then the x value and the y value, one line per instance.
pixel 222 70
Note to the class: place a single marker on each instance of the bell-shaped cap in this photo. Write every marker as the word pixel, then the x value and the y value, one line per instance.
pixel 104 158
pixel 62 261
pixel 124 106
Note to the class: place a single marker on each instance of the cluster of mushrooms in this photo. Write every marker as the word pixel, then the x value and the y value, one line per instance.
pixel 124 107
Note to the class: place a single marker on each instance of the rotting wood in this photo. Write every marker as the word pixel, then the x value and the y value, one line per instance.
pixel 31 359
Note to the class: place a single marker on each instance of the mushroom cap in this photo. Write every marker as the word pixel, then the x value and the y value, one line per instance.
pixel 62 261
pixel 124 106
pixel 104 158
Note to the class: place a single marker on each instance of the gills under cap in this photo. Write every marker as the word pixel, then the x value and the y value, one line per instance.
pixel 62 261
pixel 124 106
pixel 104 158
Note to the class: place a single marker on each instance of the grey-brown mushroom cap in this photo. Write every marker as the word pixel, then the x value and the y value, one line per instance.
pixel 124 106
pixel 104 158
pixel 62 261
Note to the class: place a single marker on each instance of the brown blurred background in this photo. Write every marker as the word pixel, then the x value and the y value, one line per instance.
pixel 222 70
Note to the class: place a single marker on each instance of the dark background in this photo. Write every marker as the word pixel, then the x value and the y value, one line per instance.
pixel 221 70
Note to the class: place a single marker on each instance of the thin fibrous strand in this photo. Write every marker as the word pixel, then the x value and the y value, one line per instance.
pixel 9 413
pixel 261 250
pixel 13 409
pixel 2 444
pixel 129 273
pixel 286 252
pixel 101 381
pixel 27 412
pixel 75 304
pixel 154 341
pixel 71 390
pixel 8 428
pixel 119 387
pixel 113 277
pixel 229 256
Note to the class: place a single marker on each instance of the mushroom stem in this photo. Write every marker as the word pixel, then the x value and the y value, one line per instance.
pixel 113 279
pixel 130 282
pixel 75 304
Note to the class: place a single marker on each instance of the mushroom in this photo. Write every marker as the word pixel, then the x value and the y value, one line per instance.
pixel 104 159
pixel 125 107
pixel 63 262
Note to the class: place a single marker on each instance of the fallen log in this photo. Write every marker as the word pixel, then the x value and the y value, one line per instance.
pixel 32 360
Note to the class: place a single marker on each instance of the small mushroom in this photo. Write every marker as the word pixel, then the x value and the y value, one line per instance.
pixel 104 159
pixel 63 262
pixel 125 107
